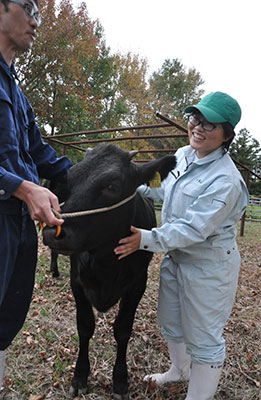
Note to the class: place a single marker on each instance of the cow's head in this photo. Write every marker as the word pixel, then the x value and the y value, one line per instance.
pixel 106 176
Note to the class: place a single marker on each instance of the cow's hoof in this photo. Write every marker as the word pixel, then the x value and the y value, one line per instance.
pixel 77 391
pixel 117 396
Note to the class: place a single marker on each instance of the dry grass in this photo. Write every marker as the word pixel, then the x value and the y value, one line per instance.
pixel 41 360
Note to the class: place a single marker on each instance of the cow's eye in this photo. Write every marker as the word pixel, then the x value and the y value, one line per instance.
pixel 112 188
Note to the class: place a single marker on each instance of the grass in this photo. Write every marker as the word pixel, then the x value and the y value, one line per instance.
pixel 252 234
pixel 41 360
pixel 254 212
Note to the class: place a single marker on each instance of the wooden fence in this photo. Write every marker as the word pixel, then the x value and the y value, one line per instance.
pixel 253 213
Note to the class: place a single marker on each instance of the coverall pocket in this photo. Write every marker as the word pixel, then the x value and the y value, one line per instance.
pixel 188 194
pixel 209 292
pixel 4 97
pixel 6 117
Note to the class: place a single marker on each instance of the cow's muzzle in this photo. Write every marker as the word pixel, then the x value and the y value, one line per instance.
pixel 58 229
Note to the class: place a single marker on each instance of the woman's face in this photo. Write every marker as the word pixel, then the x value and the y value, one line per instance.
pixel 204 141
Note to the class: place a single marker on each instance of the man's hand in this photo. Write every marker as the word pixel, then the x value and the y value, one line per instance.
pixel 40 202
pixel 129 244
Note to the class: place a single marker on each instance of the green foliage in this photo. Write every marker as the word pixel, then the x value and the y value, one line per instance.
pixel 65 76
pixel 255 187
pixel 173 88
pixel 75 84
pixel 246 150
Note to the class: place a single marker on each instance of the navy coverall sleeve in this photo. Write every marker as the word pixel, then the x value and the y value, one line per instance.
pixel 23 155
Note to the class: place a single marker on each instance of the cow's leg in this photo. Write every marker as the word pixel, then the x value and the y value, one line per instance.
pixel 122 331
pixel 85 326
pixel 54 264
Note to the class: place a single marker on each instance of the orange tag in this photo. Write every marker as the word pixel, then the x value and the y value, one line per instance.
pixel 58 230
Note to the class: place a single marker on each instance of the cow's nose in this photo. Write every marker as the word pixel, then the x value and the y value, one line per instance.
pixel 51 234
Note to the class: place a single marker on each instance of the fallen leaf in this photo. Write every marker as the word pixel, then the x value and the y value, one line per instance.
pixel 36 397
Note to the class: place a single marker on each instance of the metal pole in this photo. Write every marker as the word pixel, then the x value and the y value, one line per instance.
pixel 243 219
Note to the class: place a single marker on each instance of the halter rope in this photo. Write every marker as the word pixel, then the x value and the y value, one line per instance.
pixel 95 211
pixel 87 212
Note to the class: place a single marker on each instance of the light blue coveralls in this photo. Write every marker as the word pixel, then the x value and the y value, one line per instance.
pixel 203 199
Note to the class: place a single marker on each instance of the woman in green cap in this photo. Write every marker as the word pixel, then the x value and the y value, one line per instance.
pixel 203 199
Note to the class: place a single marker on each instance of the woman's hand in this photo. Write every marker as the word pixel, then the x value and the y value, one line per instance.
pixel 129 244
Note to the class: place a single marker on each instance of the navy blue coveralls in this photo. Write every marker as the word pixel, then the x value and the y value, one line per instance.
pixel 23 156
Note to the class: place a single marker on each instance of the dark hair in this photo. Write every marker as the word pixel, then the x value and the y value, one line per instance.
pixel 228 133
pixel 5 2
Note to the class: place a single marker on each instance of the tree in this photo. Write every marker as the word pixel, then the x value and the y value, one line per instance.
pixel 68 62
pixel 172 88
pixel 75 84
pixel 246 150
pixel 72 80
pixel 127 104
pixel 126 100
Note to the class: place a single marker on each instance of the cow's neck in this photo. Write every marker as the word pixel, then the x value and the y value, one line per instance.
pixel 105 253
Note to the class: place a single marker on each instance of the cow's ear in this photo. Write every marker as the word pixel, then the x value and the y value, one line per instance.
pixel 133 153
pixel 88 152
pixel 164 165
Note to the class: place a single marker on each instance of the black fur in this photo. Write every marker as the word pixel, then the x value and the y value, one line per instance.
pixel 98 279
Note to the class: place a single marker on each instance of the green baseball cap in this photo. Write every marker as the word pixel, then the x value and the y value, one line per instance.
pixel 218 107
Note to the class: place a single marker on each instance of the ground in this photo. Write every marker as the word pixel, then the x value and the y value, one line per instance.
pixel 41 361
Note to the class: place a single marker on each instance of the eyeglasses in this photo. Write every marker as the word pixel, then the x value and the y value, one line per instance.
pixel 30 10
pixel 206 126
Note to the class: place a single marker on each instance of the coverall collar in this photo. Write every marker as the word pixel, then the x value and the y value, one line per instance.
pixel 9 71
pixel 214 155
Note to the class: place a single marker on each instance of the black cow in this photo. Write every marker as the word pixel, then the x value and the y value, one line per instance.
pixel 105 177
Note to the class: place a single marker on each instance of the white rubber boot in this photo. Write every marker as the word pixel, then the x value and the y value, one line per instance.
pixel 180 367
pixel 2 365
pixel 203 382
